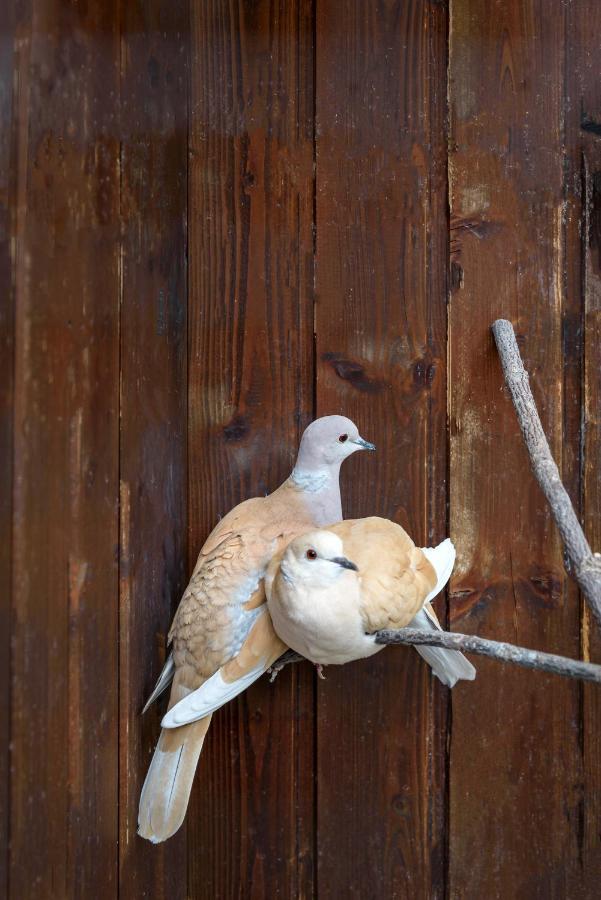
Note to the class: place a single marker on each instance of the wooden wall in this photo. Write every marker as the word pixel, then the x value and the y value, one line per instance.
pixel 217 221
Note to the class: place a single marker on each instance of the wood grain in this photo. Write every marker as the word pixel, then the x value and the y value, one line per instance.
pixel 584 267
pixel 154 165
pixel 380 331
pixel 250 394
pixel 7 284
pixel 513 790
pixel 303 147
pixel 64 701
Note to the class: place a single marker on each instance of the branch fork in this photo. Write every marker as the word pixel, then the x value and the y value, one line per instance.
pixel 583 564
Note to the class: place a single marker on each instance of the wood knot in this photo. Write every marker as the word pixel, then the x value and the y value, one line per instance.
pixel 236 430
pixel 354 373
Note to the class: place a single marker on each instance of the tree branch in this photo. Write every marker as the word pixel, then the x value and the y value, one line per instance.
pixel 585 566
pixel 468 643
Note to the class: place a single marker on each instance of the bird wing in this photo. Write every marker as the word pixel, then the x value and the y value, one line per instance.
pixel 395 575
pixel 260 650
pixel 226 591
pixel 221 633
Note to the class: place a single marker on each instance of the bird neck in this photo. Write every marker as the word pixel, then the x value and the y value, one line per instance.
pixel 315 480
pixel 320 492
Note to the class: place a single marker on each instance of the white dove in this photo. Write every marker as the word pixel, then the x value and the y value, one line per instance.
pixel 330 590
pixel 222 632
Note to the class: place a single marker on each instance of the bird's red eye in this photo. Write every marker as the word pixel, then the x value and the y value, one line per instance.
pixel 311 554
pixel 343 438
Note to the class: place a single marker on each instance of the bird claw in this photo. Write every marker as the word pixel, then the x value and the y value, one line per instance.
pixel 320 675
pixel 274 670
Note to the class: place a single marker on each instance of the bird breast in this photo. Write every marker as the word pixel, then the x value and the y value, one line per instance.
pixel 323 625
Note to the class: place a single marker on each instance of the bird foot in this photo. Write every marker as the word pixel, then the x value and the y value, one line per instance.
pixel 274 670
pixel 288 657
pixel 319 669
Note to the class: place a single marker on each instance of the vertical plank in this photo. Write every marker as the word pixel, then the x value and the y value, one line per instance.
pixel 7 224
pixel 250 394
pixel 514 768
pixel 381 354
pixel 154 97
pixel 64 697
pixel 584 255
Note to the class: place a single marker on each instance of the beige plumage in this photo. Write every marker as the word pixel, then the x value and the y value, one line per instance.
pixel 330 590
pixel 222 634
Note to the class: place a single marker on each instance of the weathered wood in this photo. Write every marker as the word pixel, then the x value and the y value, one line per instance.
pixel 153 560
pixel 506 77
pixel 8 126
pixel 584 566
pixel 500 650
pixel 583 115
pixel 64 715
pixel 525 171
pixel 381 351
pixel 250 822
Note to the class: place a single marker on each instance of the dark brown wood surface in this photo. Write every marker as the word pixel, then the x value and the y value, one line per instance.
pixel 7 324
pixel 153 439
pixel 506 191
pixel 218 220
pixel 584 37
pixel 381 350
pixel 250 395
pixel 64 713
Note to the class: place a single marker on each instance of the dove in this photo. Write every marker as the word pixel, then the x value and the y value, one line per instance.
pixel 327 607
pixel 330 590
pixel 222 633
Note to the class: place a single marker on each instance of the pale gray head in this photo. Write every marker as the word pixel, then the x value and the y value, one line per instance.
pixel 316 559
pixel 328 441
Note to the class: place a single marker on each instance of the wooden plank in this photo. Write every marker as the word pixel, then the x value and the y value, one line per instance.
pixel 584 258
pixel 515 769
pixel 7 226
pixel 250 395
pixel 154 97
pixel 381 352
pixel 64 697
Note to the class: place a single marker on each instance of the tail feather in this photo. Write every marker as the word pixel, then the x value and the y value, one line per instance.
pixel 163 682
pixel 450 666
pixel 166 791
pixel 442 560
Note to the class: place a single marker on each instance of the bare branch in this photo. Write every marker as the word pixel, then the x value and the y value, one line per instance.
pixel 585 566
pixel 468 643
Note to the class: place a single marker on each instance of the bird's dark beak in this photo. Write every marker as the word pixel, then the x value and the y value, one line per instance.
pixel 345 563
pixel 365 445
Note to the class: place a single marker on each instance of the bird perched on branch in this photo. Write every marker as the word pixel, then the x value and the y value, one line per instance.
pixel 222 630
pixel 329 591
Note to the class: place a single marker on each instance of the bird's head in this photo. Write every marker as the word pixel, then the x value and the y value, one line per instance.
pixel 316 558
pixel 328 441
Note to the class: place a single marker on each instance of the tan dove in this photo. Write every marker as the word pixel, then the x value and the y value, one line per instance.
pixel 222 631
pixel 330 590
pixel 327 607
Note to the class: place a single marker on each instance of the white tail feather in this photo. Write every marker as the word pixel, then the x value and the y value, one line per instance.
pixel 450 666
pixel 442 560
